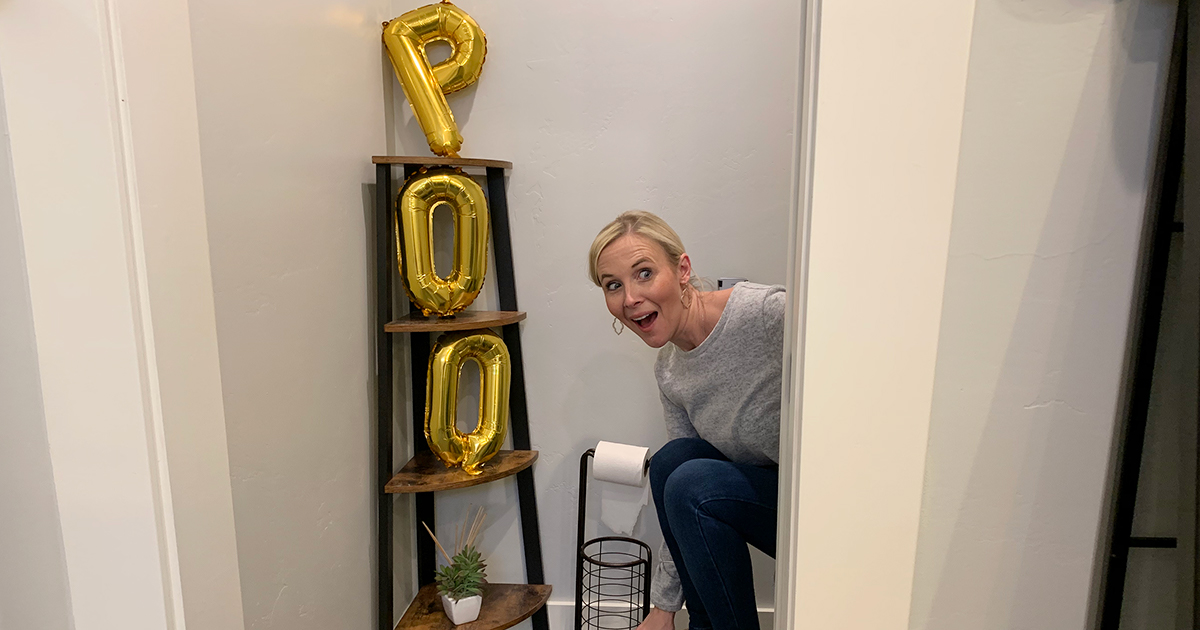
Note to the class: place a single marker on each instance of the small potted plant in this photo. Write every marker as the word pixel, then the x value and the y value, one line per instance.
pixel 460 583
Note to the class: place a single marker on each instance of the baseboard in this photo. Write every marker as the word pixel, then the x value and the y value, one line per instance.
pixel 561 614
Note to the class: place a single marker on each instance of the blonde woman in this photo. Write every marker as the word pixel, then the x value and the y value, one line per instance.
pixel 719 373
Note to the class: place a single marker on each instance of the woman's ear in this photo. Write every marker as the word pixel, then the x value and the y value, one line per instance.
pixel 685 268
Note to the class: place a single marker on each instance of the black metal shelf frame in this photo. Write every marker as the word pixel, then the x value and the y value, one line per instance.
pixel 1159 226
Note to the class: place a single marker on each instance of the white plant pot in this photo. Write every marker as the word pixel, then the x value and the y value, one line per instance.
pixel 463 610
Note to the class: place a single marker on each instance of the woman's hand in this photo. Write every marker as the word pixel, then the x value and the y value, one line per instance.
pixel 658 619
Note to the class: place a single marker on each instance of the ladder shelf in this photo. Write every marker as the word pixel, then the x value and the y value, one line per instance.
pixel 504 604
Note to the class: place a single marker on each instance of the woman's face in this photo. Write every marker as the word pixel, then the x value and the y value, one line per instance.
pixel 642 288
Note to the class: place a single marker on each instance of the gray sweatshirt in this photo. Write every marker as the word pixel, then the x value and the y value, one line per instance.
pixel 726 391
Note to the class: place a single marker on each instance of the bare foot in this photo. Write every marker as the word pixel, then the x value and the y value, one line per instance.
pixel 658 619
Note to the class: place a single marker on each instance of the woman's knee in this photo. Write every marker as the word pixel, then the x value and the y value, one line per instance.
pixel 675 453
pixel 692 483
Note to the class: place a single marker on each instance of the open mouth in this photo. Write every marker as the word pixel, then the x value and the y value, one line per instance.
pixel 645 321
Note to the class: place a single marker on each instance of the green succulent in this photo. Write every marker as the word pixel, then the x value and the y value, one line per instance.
pixel 464 576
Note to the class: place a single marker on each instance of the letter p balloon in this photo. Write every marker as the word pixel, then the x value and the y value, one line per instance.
pixel 426 85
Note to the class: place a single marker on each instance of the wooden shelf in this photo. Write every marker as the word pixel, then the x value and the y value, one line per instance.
pixel 465 320
pixel 434 160
pixel 504 606
pixel 426 473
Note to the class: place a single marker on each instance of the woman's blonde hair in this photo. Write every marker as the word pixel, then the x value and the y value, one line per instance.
pixel 645 224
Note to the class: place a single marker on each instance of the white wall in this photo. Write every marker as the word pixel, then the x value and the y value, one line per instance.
pixel 33 582
pixel 889 100
pixel 168 219
pixel 1063 101
pixel 290 104
pixel 105 179
pixel 681 108
pixel 102 472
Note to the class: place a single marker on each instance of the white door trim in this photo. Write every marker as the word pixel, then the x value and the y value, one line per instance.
pixel 879 123
pixel 786 568
pixel 104 135
pixel 160 476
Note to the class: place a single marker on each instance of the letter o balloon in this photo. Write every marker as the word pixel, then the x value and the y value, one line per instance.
pixel 426 190
pixel 469 450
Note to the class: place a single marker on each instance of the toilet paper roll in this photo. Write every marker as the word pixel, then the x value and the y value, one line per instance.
pixel 620 463
pixel 625 493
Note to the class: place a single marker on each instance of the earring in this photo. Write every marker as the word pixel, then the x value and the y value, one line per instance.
pixel 686 303
pixel 617 322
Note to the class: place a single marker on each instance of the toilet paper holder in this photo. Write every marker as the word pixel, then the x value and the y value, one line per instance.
pixel 612 573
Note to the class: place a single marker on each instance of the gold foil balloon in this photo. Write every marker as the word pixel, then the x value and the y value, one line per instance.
pixel 426 86
pixel 455 448
pixel 424 191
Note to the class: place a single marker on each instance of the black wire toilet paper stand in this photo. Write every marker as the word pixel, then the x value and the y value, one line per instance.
pixel 612 573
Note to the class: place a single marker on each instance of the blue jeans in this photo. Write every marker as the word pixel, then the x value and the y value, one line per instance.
pixel 709 509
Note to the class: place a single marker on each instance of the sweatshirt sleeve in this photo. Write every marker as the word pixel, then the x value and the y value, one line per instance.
pixel 676 419
pixel 774 310
pixel 666 591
